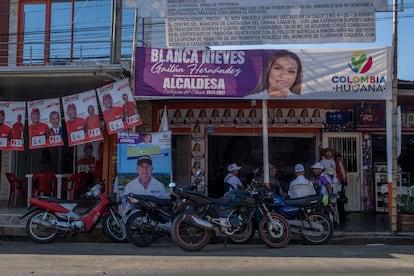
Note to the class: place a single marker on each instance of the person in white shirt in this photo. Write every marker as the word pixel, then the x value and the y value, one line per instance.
pixel 232 178
pixel 300 186
pixel 328 161
pixel 145 184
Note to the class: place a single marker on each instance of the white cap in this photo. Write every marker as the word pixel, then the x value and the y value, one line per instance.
pixel 317 165
pixel 299 168
pixel 233 167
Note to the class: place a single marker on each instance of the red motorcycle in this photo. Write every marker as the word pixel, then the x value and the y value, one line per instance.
pixel 50 217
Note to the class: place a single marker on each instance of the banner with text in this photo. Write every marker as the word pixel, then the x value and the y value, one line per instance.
pixel 131 146
pixel 241 22
pixel 264 74
pixel 118 106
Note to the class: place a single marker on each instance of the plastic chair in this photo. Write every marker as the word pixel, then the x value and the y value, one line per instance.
pixel 16 187
pixel 44 184
pixel 75 185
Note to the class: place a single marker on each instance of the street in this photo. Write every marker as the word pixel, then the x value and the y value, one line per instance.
pixel 77 258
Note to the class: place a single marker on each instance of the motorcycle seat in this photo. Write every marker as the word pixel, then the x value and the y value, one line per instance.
pixel 57 200
pixel 157 200
pixel 305 201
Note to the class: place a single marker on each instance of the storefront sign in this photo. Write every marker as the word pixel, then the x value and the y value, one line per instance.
pixel 337 117
pixel 334 74
pixel 370 117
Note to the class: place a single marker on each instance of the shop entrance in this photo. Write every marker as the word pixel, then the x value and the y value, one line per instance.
pixel 349 145
pixel 247 151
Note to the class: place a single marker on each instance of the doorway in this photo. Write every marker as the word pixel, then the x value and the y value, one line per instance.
pixel 349 145
pixel 247 151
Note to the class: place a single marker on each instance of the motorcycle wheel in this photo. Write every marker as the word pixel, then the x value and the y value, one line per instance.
pixel 188 236
pixel 114 228
pixel 139 230
pixel 244 236
pixel 41 233
pixel 275 233
pixel 317 236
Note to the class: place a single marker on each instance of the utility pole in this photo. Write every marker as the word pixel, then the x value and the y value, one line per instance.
pixel 394 189
pixel 116 31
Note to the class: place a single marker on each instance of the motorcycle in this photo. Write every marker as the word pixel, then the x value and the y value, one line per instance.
pixel 50 217
pixel 148 218
pixel 306 217
pixel 231 215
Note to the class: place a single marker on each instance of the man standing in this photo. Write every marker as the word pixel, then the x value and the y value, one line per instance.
pixel 300 186
pixel 145 184
pixel 274 182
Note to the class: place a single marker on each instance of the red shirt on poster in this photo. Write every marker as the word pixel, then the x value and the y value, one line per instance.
pixel 5 131
pixel 129 109
pixel 92 122
pixel 113 114
pixel 75 124
pixel 39 129
pixel 17 130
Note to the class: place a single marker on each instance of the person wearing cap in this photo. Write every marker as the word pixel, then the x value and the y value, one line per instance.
pixel 74 123
pixel 274 182
pixel 300 186
pixel 145 183
pixel 111 112
pixel 321 181
pixel 37 128
pixel 5 130
pixel 232 180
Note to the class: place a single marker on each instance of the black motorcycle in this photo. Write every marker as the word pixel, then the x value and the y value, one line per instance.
pixel 148 218
pixel 228 217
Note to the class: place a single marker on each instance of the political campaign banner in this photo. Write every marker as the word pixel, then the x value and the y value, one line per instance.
pixel 328 74
pixel 118 106
pixel 82 118
pixel 44 117
pixel 12 123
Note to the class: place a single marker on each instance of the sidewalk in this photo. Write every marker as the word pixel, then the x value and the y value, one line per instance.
pixel 359 228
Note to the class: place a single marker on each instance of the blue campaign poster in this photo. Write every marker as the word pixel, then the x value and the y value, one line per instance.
pixel 131 146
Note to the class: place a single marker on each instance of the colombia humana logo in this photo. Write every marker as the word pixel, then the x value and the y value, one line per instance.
pixel 359 80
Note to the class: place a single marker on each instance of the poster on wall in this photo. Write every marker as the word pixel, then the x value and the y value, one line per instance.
pixel 370 117
pixel 118 106
pixel 151 148
pixel 348 74
pixel 45 127
pixel 82 118
pixel 12 122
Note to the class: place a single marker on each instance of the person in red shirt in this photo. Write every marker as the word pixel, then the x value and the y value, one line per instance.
pixel 17 128
pixel 5 130
pixel 92 121
pixel 74 123
pixel 87 162
pixel 129 107
pixel 111 113
pixel 37 128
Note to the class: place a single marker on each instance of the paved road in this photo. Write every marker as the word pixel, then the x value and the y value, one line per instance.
pixel 76 258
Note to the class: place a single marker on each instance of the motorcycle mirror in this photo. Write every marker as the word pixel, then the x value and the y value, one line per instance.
pixel 172 185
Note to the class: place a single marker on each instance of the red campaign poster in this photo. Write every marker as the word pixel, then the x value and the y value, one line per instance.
pixel 82 118
pixel 118 106
pixel 45 126
pixel 12 120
